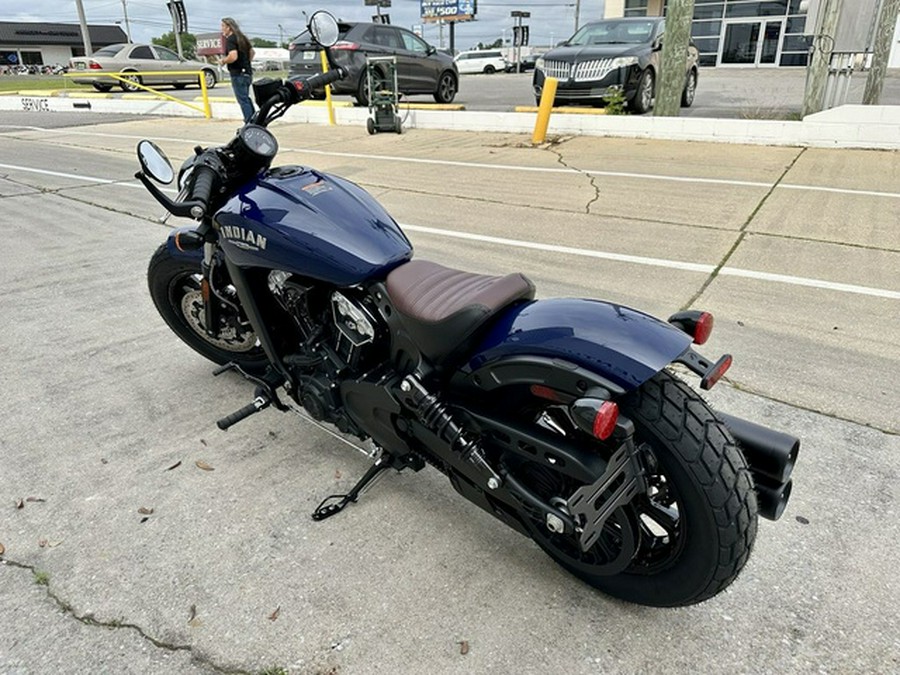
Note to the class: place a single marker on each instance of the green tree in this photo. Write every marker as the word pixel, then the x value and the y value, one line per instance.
pixel 494 45
pixel 188 43
pixel 259 42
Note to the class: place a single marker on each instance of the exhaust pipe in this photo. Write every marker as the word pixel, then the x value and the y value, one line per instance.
pixel 771 498
pixel 769 453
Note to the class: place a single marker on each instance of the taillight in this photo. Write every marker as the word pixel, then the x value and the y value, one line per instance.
pixel 595 416
pixel 93 65
pixel 345 45
pixel 697 324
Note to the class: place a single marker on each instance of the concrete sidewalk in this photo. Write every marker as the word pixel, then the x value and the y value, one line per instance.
pixel 796 252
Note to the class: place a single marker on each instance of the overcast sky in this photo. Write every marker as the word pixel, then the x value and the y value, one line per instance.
pixel 550 19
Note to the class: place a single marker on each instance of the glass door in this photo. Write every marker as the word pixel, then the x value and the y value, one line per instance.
pixel 751 43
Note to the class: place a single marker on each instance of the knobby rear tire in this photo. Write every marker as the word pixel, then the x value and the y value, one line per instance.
pixel 699 475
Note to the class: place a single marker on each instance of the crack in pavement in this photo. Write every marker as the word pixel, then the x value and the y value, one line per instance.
pixel 591 176
pixel 116 624
pixel 742 234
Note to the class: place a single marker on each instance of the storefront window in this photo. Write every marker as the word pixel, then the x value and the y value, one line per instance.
pixel 32 59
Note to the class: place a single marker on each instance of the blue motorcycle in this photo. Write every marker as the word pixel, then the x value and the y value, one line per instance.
pixel 562 418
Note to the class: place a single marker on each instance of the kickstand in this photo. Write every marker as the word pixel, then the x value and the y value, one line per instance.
pixel 324 510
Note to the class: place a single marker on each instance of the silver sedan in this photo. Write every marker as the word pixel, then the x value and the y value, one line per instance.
pixel 132 60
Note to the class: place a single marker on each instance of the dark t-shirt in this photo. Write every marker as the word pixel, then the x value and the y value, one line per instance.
pixel 242 65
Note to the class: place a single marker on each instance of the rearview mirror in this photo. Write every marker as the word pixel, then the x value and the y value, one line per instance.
pixel 155 163
pixel 324 28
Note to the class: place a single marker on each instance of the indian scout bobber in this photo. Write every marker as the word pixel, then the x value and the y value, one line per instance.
pixel 568 420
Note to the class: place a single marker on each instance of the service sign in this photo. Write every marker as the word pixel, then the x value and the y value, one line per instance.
pixel 448 10
pixel 210 44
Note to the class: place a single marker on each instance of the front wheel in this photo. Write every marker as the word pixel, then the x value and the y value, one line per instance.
pixel 175 286
pixel 689 535
pixel 446 88
pixel 643 96
pixel 690 90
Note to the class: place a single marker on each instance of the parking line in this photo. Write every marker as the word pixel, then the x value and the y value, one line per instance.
pixel 568 250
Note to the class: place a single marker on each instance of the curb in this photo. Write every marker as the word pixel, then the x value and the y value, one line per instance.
pixel 851 126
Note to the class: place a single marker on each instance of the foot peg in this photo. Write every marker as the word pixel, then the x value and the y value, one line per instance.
pixel 335 503
pixel 261 402
pixel 265 394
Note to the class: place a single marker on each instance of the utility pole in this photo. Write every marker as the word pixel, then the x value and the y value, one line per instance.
pixel 673 60
pixel 127 25
pixel 820 56
pixel 281 36
pixel 887 20
pixel 85 34
pixel 577 15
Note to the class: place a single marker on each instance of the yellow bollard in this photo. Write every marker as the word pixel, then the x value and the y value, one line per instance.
pixel 543 116
pixel 331 121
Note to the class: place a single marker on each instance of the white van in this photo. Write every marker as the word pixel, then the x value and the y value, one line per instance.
pixel 481 61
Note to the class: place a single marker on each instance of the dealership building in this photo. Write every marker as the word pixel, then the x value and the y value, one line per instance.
pixel 44 44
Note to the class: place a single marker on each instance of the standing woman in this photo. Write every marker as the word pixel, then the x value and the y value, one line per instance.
pixel 238 55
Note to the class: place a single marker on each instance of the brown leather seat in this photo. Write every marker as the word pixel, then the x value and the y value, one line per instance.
pixel 442 308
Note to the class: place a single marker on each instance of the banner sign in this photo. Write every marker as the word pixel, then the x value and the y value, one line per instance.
pixel 448 10
pixel 210 44
pixel 179 15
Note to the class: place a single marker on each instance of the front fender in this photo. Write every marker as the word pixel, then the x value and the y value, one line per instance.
pixel 622 345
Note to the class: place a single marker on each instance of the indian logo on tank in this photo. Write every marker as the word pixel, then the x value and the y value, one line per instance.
pixel 243 238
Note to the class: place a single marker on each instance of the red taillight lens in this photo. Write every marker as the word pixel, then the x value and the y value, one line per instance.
pixel 605 420
pixel 346 45
pixel 703 328
pixel 93 65
pixel 697 324
pixel 595 416
pixel 716 372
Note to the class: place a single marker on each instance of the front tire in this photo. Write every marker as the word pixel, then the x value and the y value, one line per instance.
pixel 126 83
pixel 643 96
pixel 175 288
pixel 210 78
pixel 446 88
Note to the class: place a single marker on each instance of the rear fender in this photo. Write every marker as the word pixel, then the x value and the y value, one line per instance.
pixel 564 342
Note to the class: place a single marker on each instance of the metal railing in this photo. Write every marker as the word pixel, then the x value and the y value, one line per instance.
pixel 127 78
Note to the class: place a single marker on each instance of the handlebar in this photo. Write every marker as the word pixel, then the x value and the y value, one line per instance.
pixel 305 87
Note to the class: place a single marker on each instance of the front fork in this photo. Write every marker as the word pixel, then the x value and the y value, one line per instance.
pixel 210 308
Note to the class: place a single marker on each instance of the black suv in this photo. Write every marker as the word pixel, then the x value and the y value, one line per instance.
pixel 421 69
pixel 607 55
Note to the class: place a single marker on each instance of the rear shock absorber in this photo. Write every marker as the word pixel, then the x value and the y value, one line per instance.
pixel 436 417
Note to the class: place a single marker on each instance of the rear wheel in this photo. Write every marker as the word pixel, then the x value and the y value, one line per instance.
pixel 175 288
pixel 690 534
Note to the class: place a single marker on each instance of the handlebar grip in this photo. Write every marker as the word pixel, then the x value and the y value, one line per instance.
pixel 320 80
pixel 201 190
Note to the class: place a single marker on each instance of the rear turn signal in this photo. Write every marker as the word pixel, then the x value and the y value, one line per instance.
pixel 697 324
pixel 595 416
pixel 715 373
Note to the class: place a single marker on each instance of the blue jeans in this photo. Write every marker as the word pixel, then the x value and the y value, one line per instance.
pixel 241 86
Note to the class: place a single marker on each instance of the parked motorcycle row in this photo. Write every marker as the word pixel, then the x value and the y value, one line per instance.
pixel 54 69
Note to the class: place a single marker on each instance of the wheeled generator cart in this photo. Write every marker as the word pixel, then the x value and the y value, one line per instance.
pixel 384 99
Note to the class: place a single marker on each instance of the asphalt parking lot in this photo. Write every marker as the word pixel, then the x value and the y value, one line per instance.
pixel 796 251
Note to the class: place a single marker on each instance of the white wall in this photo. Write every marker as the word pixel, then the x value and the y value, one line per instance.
pixel 54 55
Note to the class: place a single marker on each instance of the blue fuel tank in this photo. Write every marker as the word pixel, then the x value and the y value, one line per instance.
pixel 306 222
